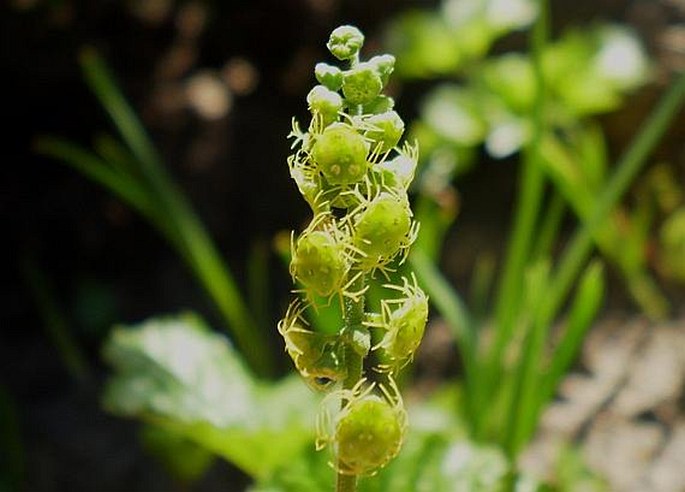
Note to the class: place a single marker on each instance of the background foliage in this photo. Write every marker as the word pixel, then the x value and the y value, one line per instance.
pixel 80 260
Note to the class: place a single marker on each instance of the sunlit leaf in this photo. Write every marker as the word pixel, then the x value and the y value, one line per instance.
pixel 180 375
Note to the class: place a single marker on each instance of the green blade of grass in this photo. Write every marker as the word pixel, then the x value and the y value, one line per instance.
pixel 562 165
pixel 113 151
pixel 126 187
pixel 258 281
pixel 101 82
pixel 580 247
pixel 201 255
pixel 526 218
pixel 631 163
pixel 538 384
pixel 96 169
pixel 448 302
pixel 549 229
pixel 537 282
pixel 481 285
pixel 585 306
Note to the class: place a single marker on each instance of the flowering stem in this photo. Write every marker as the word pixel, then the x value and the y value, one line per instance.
pixel 351 168
pixel 346 483
pixel 353 317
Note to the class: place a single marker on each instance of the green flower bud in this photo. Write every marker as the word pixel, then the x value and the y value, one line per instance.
pixel 329 76
pixel 387 130
pixel 325 102
pixel 345 42
pixel 307 184
pixel 382 229
pixel 381 104
pixel 320 361
pixel 368 434
pixel 319 262
pixel 340 153
pixel 326 370
pixel 398 172
pixel 318 357
pixel 361 84
pixel 385 65
pixel 405 324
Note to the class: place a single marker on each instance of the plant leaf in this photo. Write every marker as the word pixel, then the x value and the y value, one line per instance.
pixel 178 374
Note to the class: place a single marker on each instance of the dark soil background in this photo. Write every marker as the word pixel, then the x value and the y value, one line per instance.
pixel 103 264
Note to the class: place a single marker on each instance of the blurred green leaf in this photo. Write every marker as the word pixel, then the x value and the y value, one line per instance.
pixel 455 114
pixel 424 45
pixel 586 304
pixel 590 70
pixel 182 458
pixel 309 471
pixel 507 15
pixel 672 237
pixel 592 154
pixel 429 44
pixel 511 77
pixel 178 374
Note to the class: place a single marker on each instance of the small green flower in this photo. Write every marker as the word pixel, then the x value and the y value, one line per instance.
pixel 398 172
pixel 362 84
pixel 345 42
pixel 325 102
pixel 385 65
pixel 379 105
pixel 386 130
pixel 329 76
pixel 318 357
pixel 368 431
pixel 404 322
pixel 340 153
pixel 382 229
pixel 319 262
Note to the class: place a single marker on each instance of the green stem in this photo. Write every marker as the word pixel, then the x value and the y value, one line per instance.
pixel 455 313
pixel 549 229
pixel 578 251
pixel 353 317
pixel 346 483
pixel 526 216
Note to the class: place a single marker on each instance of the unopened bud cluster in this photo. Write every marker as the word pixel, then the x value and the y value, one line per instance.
pixel 352 170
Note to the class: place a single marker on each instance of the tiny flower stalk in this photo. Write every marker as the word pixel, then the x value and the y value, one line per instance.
pixel 351 168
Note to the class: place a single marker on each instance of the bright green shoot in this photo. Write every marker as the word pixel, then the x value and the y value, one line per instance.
pixel 352 170
pixel 134 172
